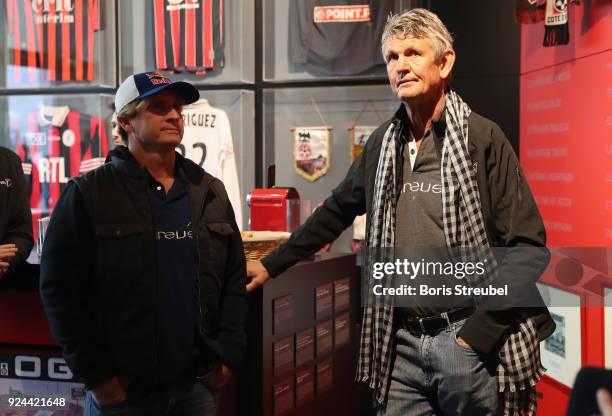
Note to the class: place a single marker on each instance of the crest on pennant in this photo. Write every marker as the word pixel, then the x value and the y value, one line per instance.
pixel 311 152
pixel 359 137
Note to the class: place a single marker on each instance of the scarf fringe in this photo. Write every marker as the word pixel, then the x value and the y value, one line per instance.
pixel 556 35
pixel 519 385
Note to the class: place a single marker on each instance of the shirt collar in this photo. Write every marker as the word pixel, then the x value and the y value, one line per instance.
pixel 180 178
pixel 438 123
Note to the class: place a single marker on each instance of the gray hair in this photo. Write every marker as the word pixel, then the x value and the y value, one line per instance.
pixel 420 24
pixel 129 111
pixel 132 108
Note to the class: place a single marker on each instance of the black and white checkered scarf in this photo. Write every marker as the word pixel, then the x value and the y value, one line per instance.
pixel 519 366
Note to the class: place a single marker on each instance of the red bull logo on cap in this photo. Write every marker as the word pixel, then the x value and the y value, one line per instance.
pixel 158 78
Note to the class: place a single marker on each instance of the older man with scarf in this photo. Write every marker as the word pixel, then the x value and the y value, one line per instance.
pixel 438 175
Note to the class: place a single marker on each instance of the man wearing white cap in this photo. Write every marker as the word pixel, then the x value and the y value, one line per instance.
pixel 142 274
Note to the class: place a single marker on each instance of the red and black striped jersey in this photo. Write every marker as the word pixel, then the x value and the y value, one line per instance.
pixel 188 34
pixel 56 144
pixel 55 36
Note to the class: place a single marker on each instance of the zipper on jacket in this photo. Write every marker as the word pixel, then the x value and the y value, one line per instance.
pixel 156 345
pixel 198 261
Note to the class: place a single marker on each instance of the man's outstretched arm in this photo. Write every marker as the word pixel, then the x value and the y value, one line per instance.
pixel 325 225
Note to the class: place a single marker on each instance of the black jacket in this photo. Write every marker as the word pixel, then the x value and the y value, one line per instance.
pixel 510 213
pixel 15 214
pixel 99 273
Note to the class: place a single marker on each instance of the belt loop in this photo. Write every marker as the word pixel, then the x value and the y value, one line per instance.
pixel 445 316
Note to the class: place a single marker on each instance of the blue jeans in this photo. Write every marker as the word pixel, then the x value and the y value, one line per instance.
pixel 187 400
pixel 435 375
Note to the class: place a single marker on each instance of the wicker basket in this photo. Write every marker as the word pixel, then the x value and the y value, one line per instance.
pixel 258 244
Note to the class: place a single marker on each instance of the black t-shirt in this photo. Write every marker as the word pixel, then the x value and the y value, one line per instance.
pixel 337 37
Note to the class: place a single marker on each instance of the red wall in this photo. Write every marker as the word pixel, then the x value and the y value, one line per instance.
pixel 566 152
pixel 565 109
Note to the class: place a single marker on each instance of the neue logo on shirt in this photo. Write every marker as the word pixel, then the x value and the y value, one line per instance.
pixel 425 187
pixel 175 235
pixel 6 182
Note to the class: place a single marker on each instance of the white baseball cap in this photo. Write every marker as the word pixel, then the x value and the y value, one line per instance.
pixel 145 84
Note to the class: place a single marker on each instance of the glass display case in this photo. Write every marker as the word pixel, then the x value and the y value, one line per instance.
pixel 219 136
pixel 64 43
pixel 60 62
pixel 56 137
pixel 313 135
pixel 318 39
pixel 200 41
pixel 61 136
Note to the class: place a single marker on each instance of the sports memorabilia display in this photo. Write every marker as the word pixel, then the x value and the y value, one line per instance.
pixel 55 144
pixel 337 37
pixel 208 142
pixel 311 151
pixel 56 37
pixel 188 35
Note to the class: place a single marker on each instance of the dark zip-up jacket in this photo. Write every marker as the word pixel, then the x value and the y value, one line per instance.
pixel 99 280
pixel 15 214
pixel 511 219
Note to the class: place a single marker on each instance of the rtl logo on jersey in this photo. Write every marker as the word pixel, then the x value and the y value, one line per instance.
pixel 157 78
pixel 328 14
pixel 52 170
pixel 53 11
pixel 182 4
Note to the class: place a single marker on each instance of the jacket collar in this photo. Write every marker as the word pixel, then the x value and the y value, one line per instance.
pixel 136 177
pixel 122 159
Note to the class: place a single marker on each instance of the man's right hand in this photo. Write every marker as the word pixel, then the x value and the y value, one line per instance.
pixel 257 273
pixel 111 391
pixel 604 401
pixel 7 253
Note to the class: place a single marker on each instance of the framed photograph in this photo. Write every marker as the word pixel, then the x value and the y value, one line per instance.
pixel 325 375
pixel 304 346
pixel 562 351
pixel 283 397
pixel 282 313
pixel 342 292
pixel 342 333
pixel 283 355
pixel 324 300
pixel 324 338
pixel 304 386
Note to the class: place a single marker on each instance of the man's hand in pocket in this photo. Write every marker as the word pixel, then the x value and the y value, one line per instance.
pixel 111 391
pixel 217 378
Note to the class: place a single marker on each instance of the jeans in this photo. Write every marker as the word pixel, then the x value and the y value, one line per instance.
pixel 191 399
pixel 435 375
